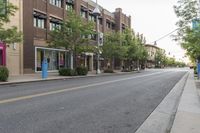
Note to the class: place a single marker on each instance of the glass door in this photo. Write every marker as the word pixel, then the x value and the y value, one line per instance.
pixel 54 60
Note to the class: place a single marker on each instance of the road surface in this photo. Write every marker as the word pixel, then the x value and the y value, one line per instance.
pixel 104 104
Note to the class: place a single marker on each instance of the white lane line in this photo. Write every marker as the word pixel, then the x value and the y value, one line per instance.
pixel 70 89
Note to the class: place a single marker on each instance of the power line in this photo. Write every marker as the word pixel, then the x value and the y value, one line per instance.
pixel 165 35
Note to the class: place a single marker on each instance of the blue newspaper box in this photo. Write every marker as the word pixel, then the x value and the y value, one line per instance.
pixel 44 69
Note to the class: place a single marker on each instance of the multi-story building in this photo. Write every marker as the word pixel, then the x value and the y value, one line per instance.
pixel 151 49
pixel 41 16
pixel 11 55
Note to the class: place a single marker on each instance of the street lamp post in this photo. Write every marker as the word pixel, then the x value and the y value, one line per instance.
pixel 97 13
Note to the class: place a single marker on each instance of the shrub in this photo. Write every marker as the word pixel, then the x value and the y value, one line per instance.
pixel 82 70
pixel 108 71
pixel 4 73
pixel 67 72
pixel 73 72
pixel 195 69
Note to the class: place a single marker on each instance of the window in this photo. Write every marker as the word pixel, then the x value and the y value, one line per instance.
pixel 108 24
pixel 39 22
pixel 100 21
pixel 69 7
pixel 113 26
pixel 54 25
pixel 56 58
pixel 83 14
pixel 92 36
pixel 57 3
pixel 91 17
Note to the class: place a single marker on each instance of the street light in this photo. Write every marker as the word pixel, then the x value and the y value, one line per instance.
pixel 97 13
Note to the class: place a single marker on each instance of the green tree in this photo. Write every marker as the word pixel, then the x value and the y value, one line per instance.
pixel 113 47
pixel 73 35
pixel 187 11
pixel 125 46
pixel 8 35
pixel 159 58
pixel 170 62
pixel 136 49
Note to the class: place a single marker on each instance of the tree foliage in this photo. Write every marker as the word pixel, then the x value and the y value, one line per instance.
pixel 160 58
pixel 187 11
pixel 112 46
pixel 11 34
pixel 126 46
pixel 73 35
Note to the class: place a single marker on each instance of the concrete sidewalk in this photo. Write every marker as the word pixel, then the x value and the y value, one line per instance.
pixel 52 76
pixel 178 112
pixel 187 119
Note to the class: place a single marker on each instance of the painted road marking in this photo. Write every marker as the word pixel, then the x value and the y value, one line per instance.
pixel 69 89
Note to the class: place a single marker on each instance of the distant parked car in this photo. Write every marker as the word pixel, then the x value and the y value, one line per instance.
pixel 191 67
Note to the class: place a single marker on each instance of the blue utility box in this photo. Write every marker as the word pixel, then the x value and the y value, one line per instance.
pixel 44 69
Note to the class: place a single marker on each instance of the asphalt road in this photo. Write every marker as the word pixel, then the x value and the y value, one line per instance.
pixel 105 104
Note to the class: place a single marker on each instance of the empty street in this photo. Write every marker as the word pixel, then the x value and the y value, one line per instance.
pixel 104 104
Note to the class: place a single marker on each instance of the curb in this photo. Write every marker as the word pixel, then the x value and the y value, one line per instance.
pixel 161 119
pixel 187 118
pixel 64 78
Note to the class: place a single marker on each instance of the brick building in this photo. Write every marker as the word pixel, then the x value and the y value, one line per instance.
pixel 41 16
pixel 152 50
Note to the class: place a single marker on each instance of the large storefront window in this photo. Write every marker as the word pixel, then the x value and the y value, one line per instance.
pixel 56 58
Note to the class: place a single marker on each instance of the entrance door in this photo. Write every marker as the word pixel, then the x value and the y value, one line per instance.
pixel 1 57
pixel 88 63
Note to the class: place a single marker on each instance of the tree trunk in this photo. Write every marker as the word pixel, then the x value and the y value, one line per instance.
pixel 75 58
pixel 122 64
pixel 138 65
pixel 113 63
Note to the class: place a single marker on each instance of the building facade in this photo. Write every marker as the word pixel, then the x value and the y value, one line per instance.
pixel 42 16
pixel 151 49
pixel 11 55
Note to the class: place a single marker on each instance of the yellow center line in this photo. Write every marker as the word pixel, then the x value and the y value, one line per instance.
pixel 68 89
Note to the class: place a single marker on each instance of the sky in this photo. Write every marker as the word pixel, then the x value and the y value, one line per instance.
pixel 153 19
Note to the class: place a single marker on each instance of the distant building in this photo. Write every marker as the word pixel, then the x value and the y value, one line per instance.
pixel 151 49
